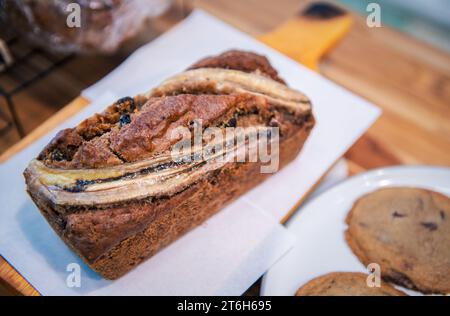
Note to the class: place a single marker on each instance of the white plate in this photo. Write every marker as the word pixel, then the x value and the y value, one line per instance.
pixel 319 226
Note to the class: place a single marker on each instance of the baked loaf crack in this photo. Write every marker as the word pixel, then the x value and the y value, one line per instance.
pixel 112 188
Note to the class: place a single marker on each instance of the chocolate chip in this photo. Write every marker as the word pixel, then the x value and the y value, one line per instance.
pixel 57 155
pixel 441 212
pixel 124 119
pixel 126 105
pixel 429 225
pixel 397 214
pixel 254 111
pixel 232 122
pixel 125 100
pixel 80 185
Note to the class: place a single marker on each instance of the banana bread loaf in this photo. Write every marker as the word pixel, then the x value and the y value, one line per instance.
pixel 112 188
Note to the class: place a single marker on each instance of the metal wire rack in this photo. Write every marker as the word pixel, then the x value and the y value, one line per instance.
pixel 29 65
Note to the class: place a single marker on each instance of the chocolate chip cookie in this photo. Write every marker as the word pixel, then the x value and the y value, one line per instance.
pixel 407 232
pixel 345 284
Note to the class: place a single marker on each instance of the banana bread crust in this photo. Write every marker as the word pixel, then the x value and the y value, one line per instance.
pixel 239 60
pixel 114 237
pixel 112 244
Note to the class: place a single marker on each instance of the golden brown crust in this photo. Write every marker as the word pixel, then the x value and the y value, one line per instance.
pixel 135 130
pixel 107 190
pixel 240 60
pixel 132 129
pixel 345 284
pixel 149 132
pixel 79 147
pixel 115 239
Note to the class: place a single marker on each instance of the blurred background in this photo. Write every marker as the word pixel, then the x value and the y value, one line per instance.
pixel 427 20
pixel 43 66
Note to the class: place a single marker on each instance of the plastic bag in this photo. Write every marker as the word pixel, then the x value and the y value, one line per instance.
pixel 79 25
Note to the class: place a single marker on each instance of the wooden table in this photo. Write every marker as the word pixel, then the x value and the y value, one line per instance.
pixel 409 80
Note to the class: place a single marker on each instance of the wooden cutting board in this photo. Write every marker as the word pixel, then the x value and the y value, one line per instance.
pixel 409 133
